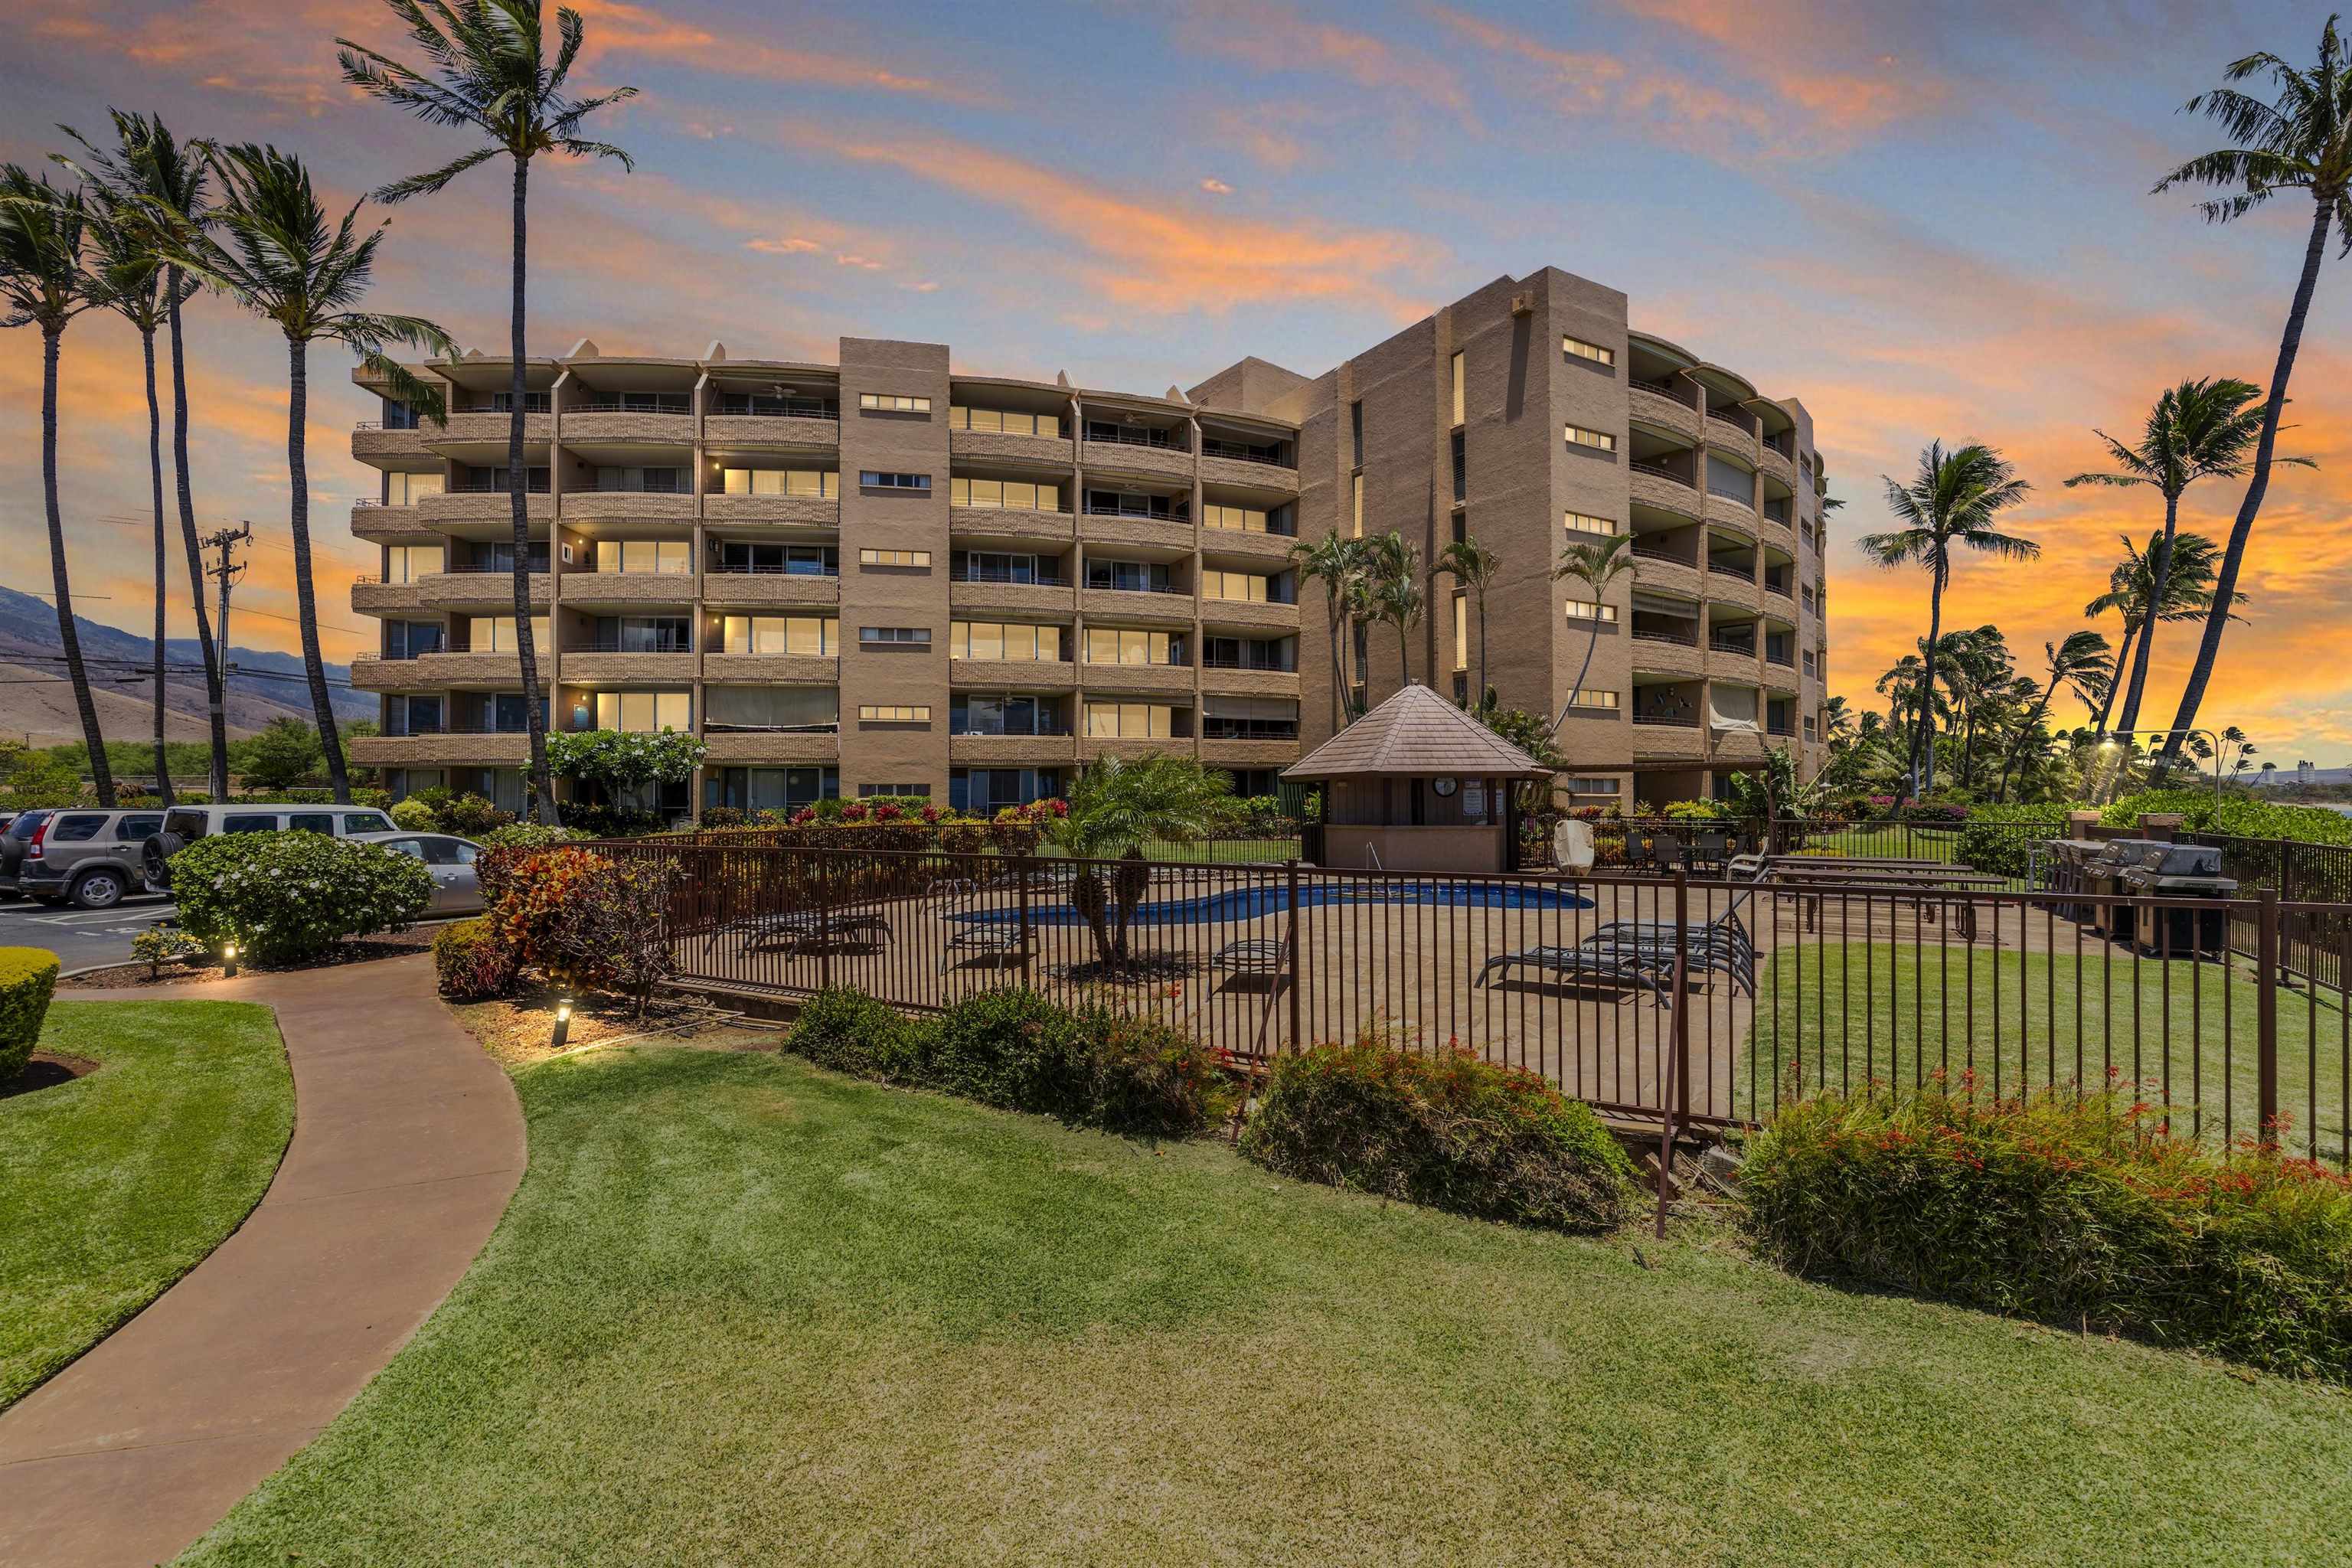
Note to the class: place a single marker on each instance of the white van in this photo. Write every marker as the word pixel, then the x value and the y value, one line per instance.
pixel 183 825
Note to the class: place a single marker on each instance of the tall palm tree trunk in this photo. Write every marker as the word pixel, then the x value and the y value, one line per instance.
pixel 543 783
pixel 2225 586
pixel 2107 703
pixel 215 705
pixel 102 775
pixel 2158 570
pixel 297 474
pixel 2024 732
pixel 1480 700
pixel 155 486
pixel 1923 736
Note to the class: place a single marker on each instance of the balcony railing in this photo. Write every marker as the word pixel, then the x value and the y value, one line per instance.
pixel 503 568
pixel 1744 646
pixel 823 727
pixel 1213 728
pixel 781 569
pixel 1665 389
pixel 1043 733
pixel 608 406
pixel 649 488
pixel 1730 569
pixel 1745 422
pixel 1012 579
pixel 1161 513
pixel 1171 592
pixel 1745 498
pixel 1660 633
pixel 1661 552
pixel 1213 662
pixel 1660 470
pixel 732 407
pixel 1271 457
pixel 1783 730
pixel 1673 721
pixel 495 488
pixel 1782 658
pixel 1121 435
pixel 629 645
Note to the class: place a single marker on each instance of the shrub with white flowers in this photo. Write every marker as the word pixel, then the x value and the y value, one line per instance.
pixel 624 760
pixel 286 897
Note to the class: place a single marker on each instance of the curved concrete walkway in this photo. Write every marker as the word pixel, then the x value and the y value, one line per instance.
pixel 407 1143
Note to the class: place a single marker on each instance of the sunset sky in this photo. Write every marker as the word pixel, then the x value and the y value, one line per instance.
pixel 1923 221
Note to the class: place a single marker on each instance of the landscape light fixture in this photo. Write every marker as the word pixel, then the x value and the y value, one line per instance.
pixel 228 961
pixel 563 1020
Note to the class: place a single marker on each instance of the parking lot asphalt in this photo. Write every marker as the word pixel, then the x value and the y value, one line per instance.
pixel 81 938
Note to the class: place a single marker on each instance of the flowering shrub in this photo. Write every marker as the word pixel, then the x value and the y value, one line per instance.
pixel 1447 1129
pixel 159 945
pixel 470 962
pixel 1012 1048
pixel 622 759
pixel 288 896
pixel 2081 1211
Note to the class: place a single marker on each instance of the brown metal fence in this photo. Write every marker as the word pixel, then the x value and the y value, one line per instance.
pixel 1705 1001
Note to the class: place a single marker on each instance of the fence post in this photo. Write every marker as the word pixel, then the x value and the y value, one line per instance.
pixel 2266 957
pixel 1023 868
pixel 1297 966
pixel 1675 1093
pixel 824 922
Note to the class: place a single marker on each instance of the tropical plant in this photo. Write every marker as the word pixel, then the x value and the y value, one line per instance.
pixel 1394 586
pixel 490 73
pixel 282 257
pixel 2200 429
pixel 170 185
pixel 2082 665
pixel 1593 564
pixel 1954 502
pixel 2301 140
pixel 1337 564
pixel 288 896
pixel 622 760
pixel 2131 589
pixel 1115 805
pixel 43 284
pixel 29 979
pixel 1475 567
pixel 285 753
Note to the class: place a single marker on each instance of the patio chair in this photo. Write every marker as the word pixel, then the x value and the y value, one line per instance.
pixel 1666 849
pixel 1710 850
pixel 1572 847
pixel 1253 955
pixel 978 941
pixel 1582 962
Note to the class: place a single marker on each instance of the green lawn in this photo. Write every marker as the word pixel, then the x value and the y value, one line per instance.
pixel 119 1182
pixel 1854 1011
pixel 745 1312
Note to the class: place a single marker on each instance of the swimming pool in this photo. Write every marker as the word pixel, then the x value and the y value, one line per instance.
pixel 1257 903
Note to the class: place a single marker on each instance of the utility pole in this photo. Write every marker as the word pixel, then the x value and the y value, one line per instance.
pixel 227 572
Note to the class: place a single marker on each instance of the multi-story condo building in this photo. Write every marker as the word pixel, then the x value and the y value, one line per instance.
pixel 884 576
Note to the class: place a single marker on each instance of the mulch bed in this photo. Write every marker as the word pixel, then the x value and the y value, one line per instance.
pixel 518 1030
pixel 360 950
pixel 46 1071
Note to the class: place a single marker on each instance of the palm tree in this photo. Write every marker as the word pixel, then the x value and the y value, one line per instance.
pixel 44 285
pixel 169 181
pixel 1392 583
pixel 1593 564
pixel 2131 588
pixel 2200 429
pixel 128 277
pixel 1473 566
pixel 490 73
pixel 289 263
pixel 1956 500
pixel 2301 141
pixel 2083 665
pixel 1337 565
pixel 1115 805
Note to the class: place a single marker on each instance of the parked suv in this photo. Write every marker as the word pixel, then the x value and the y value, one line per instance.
pixel 183 825
pixel 92 858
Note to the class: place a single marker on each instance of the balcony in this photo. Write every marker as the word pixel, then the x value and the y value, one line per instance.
pixel 1151 455
pixel 1093 746
pixel 1040 595
pixel 1738 419
pixel 448 748
pixel 1251 614
pixel 1260 466
pixel 1662 651
pixel 756 746
pixel 1159 533
pixel 1660 404
pixel 1140 607
pixel 674 505
pixel 485 429
pixel 1113 679
pixel 1012 525
pixel 1050 452
pixel 442 671
pixel 482 503
pixel 757 589
pixel 377 524
pixel 628 587
pixel 370 595
pixel 610 424
pixel 1009 749
pixel 1012 675
pixel 481 588
pixel 1245 681
pixel 806 512
pixel 378 447
pixel 721 669
pixel 1238 752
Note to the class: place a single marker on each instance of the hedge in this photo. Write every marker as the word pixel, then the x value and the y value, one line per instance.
pixel 470 962
pixel 2080 1212
pixel 288 896
pixel 1447 1129
pixel 1012 1048
pixel 28 978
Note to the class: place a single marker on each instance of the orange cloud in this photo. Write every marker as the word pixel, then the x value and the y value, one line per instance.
pixel 1783 45
pixel 1271 36
pixel 639 32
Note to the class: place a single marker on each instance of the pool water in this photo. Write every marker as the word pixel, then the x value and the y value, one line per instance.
pixel 1257 903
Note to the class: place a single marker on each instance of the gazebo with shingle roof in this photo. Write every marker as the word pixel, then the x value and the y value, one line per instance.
pixel 1416 784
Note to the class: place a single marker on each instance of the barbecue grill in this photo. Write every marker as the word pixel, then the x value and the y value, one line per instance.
pixel 2067 860
pixel 2179 871
pixel 2103 881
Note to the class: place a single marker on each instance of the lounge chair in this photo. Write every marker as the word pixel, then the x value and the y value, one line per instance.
pixel 1584 961
pixel 1253 955
pixel 816 928
pixel 976 941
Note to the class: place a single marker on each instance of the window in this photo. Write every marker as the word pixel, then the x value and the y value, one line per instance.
pixel 1461 631
pixel 1586 610
pixel 822 484
pixel 894 636
pixel 1009 423
pixel 1357 531
pixel 310 822
pixel 769 789
pixel 641 634
pixel 408 490
pixel 1577 348
pixel 891 402
pixel 999 567
pixel 791 560
pixel 1129 576
pixel 1130 721
pixel 807 709
pixel 816 637
pixel 976 714
pixel 1249 719
pixel 1457 389
pixel 894 712
pixel 1587 697
pixel 496 634
pixel 647 482
pixel 503 403
pixel 1590 787
pixel 1124 503
pixel 644 713
pixel 1116 644
pixel 1460 469
pixel 919 484
pixel 1237 518
pixel 1008 640
pixel 1245 586
pixel 75 827
pixel 407 562
pixel 774 404
pixel 254 822
pixel 1599 441
pixel 368 822
pixel 988 790
pixel 1356 431
pixel 1585 523
pixel 869 791
pixel 139 829
pixel 1809 726
pixel 1011 495
pixel 895 558
pixel 669 557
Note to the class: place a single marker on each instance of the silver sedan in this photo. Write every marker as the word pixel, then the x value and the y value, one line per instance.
pixel 448 857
